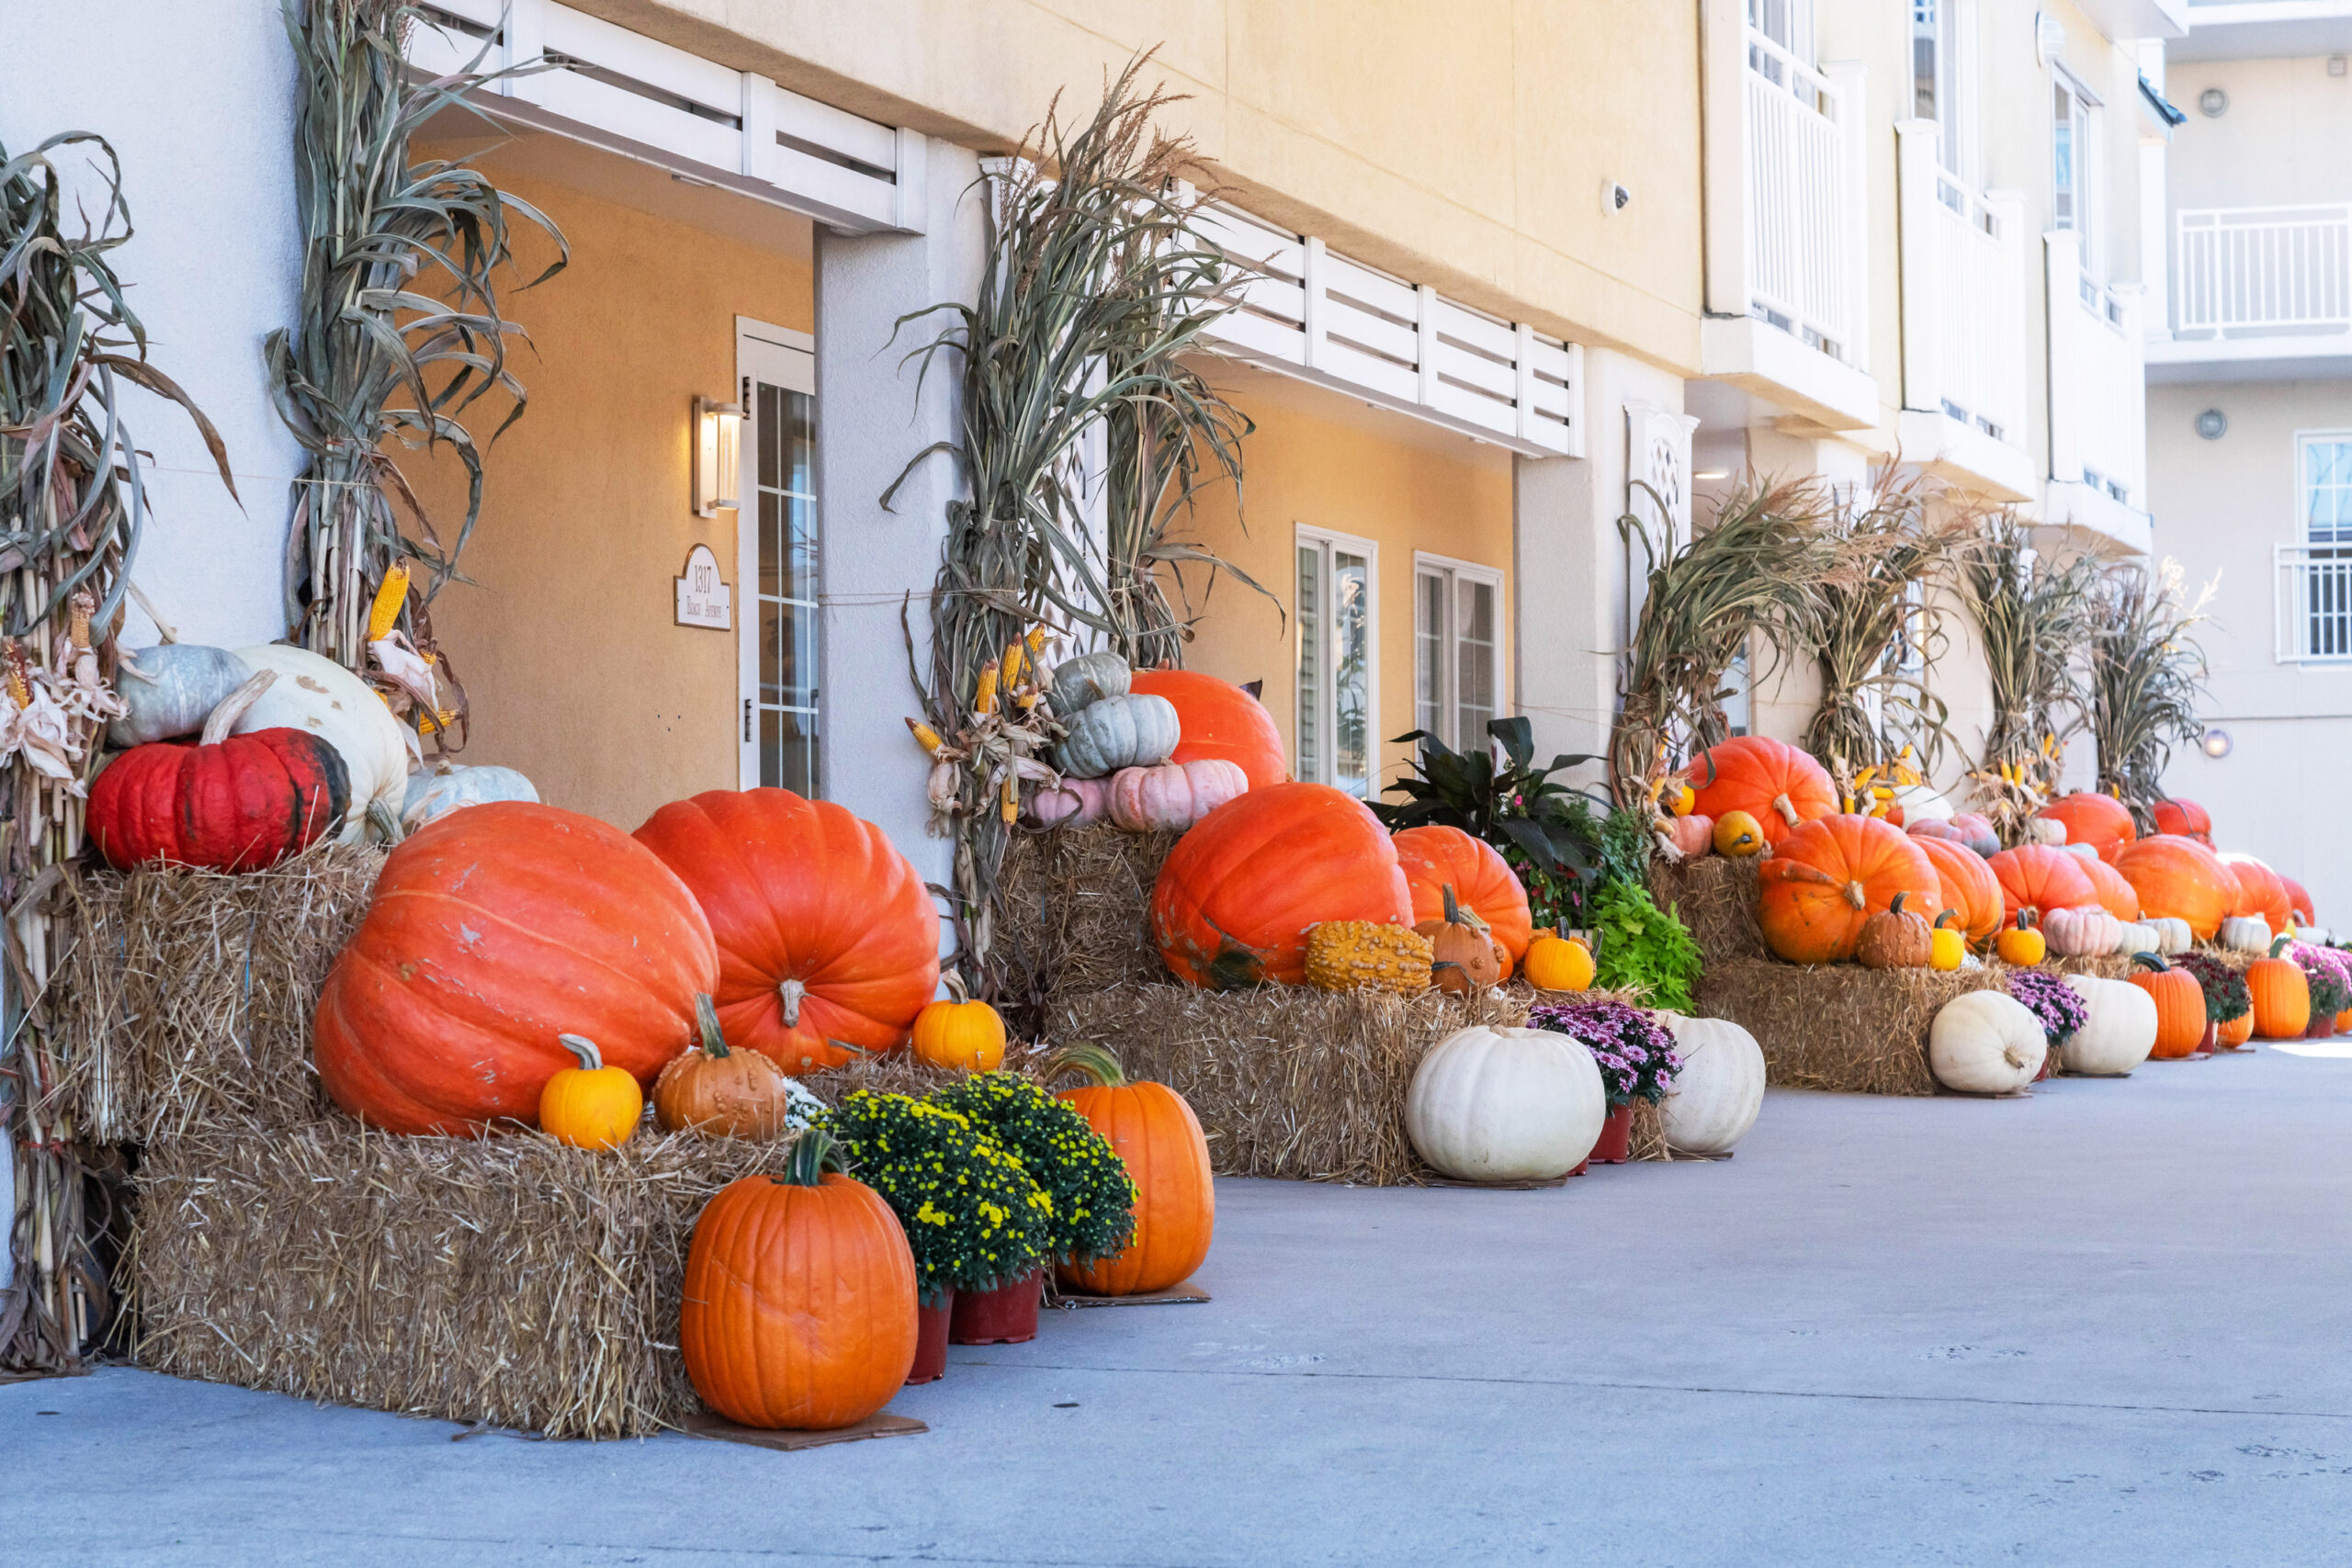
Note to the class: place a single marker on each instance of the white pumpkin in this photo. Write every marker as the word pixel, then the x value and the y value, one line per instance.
pixel 2173 934
pixel 1505 1105
pixel 443 787
pixel 1086 679
pixel 1714 1100
pixel 2044 830
pixel 2245 933
pixel 2087 932
pixel 314 693
pixel 1985 1043
pixel 1172 797
pixel 2118 1033
pixel 2138 937
pixel 168 690
pixel 1111 733
pixel 1075 803
pixel 2083 850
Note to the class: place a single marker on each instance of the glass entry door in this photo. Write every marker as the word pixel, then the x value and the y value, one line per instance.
pixel 779 562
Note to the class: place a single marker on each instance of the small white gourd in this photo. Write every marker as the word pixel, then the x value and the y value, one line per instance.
pixel 2117 1033
pixel 2246 933
pixel 1505 1105
pixel 2138 937
pixel 443 787
pixel 1714 1100
pixel 1985 1043
pixel 2173 935
pixel 2045 830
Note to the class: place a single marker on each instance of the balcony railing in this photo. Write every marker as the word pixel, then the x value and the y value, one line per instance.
pixel 2250 271
pixel 2314 603
pixel 1964 294
pixel 1802 199
pixel 2098 378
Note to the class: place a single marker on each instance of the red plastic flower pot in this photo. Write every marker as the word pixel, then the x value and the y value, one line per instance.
pixel 930 1340
pixel 1616 1137
pixel 2212 1041
pixel 2323 1027
pixel 1006 1315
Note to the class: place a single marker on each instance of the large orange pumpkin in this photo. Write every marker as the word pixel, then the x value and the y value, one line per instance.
pixel 1237 895
pixel 1155 1134
pixel 1482 880
pixel 2260 892
pixel 2180 879
pixel 1829 875
pixel 2184 818
pixel 1217 719
pixel 1969 886
pixel 2298 902
pixel 825 931
pixel 2180 1006
pixel 2036 876
pixel 1772 782
pixel 495 930
pixel 2281 996
pixel 2115 894
pixel 799 1309
pixel 2099 820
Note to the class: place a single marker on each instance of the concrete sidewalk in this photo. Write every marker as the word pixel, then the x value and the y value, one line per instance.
pixel 2103 1325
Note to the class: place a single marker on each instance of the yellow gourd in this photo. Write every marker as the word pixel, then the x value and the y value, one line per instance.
pixel 959 1032
pixel 1557 961
pixel 1737 835
pixel 2020 944
pixel 1362 955
pixel 1946 945
pixel 384 614
pixel 591 1106
pixel 1677 799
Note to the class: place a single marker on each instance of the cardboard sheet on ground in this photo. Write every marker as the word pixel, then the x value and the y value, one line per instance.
pixel 1174 1295
pixel 719 1429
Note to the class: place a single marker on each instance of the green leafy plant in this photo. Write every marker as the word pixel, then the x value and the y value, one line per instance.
pixel 1644 948
pixel 974 1216
pixel 2146 674
pixel 400 330
pixel 1544 829
pixel 1093 1196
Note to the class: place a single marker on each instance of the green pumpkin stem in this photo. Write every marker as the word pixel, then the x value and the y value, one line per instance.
pixel 1895 904
pixel 2279 945
pixel 2153 963
pixel 714 1039
pixel 1094 1061
pixel 579 1045
pixel 813 1154
pixel 1947 915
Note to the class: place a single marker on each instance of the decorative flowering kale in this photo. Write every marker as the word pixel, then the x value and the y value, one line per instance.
pixel 1634 1053
pixel 974 1218
pixel 2329 974
pixel 2055 1003
pixel 2226 998
pixel 1094 1195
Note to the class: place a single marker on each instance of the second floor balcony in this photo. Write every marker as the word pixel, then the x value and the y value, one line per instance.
pixel 2099 427
pixel 2257 291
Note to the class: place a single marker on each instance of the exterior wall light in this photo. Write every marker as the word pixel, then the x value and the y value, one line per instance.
pixel 719 456
pixel 2212 103
pixel 2217 743
pixel 2212 425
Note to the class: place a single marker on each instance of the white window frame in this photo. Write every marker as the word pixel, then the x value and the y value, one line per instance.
pixel 1452 572
pixel 2304 441
pixel 2087 121
pixel 2314 588
pixel 1958 48
pixel 1327 717
pixel 780 358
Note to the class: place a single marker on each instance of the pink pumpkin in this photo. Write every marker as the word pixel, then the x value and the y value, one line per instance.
pixel 1928 828
pixel 1172 797
pixel 1076 803
pixel 1976 832
pixel 2084 932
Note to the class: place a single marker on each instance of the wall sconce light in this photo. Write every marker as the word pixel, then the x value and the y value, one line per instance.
pixel 2217 743
pixel 719 456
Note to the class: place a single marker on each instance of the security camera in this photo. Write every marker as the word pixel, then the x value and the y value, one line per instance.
pixel 1613 197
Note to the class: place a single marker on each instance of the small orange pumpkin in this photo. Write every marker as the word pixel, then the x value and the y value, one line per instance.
pixel 1737 835
pixel 1464 956
pixel 1896 938
pixel 591 1106
pixel 2282 996
pixel 2180 1006
pixel 2021 944
pixel 959 1032
pixel 1159 1139
pixel 1558 962
pixel 726 1093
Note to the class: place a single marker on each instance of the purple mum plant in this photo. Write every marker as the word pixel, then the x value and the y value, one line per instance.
pixel 2226 998
pixel 2329 974
pixel 2052 1000
pixel 1636 1054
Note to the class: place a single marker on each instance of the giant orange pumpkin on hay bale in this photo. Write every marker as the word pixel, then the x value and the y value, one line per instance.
pixel 1436 858
pixel 2099 820
pixel 1968 886
pixel 2260 892
pixel 1238 892
pixel 493 932
pixel 2186 820
pixel 2039 877
pixel 1216 719
pixel 1829 875
pixel 827 937
pixel 2298 902
pixel 1772 782
pixel 2179 878
pixel 2114 892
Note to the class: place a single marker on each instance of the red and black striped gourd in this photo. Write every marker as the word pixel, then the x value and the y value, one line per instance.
pixel 226 803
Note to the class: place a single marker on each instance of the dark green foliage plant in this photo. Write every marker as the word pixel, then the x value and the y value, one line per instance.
pixel 1094 1195
pixel 1544 829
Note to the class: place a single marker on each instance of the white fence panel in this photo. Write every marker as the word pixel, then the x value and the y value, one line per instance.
pixel 2264 269
pixel 1800 198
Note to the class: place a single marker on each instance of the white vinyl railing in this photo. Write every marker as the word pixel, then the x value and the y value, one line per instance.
pixel 1311 313
pixel 2098 431
pixel 2264 269
pixel 2315 603
pixel 1964 294
pixel 1801 200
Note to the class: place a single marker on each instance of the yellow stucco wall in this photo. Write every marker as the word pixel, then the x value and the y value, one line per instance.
pixel 1325 461
pixel 1461 143
pixel 567 637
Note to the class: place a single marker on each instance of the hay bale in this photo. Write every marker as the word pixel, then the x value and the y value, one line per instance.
pixel 1715 896
pixel 1838 1026
pixel 1076 917
pixel 509 1280
pixel 184 997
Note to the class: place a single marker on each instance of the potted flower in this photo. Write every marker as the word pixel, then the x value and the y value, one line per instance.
pixel 1094 1198
pixel 974 1219
pixel 2229 1006
pixel 2058 1005
pixel 1635 1055
pixel 2330 984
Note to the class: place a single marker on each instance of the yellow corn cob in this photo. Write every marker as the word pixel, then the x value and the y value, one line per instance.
pixel 1008 667
pixel 984 700
pixel 80 634
pixel 20 690
pixel 925 736
pixel 1036 639
pixel 385 612
pixel 1008 798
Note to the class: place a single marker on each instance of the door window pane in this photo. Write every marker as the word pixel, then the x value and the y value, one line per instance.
pixel 1474 662
pixel 1429 655
pixel 1351 672
pixel 787 589
pixel 1310 662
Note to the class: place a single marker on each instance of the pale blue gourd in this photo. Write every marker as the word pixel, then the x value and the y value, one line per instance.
pixel 1111 733
pixel 1087 678
pixel 170 689
pixel 432 795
